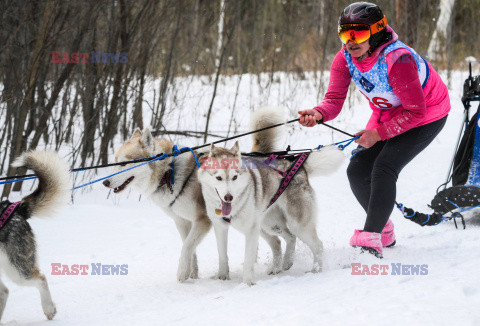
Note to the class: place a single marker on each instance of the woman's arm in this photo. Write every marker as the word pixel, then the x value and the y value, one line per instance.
pixel 340 78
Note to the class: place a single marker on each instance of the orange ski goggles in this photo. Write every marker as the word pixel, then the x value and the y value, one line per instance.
pixel 360 33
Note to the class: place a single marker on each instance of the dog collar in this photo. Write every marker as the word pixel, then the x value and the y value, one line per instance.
pixel 7 213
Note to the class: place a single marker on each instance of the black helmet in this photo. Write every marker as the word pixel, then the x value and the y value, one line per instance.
pixel 366 13
pixel 361 13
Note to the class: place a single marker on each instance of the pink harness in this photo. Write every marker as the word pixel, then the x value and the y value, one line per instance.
pixel 7 213
pixel 287 176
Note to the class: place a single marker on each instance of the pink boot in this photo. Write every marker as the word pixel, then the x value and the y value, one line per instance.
pixel 369 241
pixel 388 236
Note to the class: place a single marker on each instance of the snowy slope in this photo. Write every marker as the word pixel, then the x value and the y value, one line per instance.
pixel 116 230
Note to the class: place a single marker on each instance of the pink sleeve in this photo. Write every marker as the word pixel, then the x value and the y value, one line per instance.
pixel 340 78
pixel 403 78
pixel 374 120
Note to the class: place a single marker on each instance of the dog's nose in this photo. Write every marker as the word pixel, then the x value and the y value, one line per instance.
pixel 228 198
pixel 106 183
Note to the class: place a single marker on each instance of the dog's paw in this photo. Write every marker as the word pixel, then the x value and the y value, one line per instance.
pixel 223 277
pixel 182 275
pixel 249 282
pixel 317 268
pixel 194 275
pixel 273 270
pixel 50 311
pixel 287 265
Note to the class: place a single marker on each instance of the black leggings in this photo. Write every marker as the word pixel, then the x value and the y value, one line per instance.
pixel 373 172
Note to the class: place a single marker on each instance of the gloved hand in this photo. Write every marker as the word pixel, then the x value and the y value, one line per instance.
pixel 308 118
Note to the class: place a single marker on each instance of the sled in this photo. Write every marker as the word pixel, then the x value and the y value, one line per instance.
pixel 464 172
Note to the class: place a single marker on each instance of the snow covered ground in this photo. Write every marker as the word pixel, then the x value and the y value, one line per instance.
pixel 125 229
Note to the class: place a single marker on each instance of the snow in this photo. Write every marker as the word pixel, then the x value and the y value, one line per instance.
pixel 128 229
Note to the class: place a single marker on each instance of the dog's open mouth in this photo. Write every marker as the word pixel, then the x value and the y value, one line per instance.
pixel 123 185
pixel 226 206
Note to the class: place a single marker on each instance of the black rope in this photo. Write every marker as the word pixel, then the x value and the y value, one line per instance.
pixel 187 150
pixel 332 127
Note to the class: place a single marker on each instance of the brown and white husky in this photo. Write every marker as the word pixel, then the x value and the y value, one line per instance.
pixel 183 202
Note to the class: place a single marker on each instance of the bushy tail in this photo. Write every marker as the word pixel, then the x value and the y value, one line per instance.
pixel 53 181
pixel 325 161
pixel 266 116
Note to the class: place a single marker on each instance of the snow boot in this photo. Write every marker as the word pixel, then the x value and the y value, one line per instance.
pixel 388 236
pixel 368 241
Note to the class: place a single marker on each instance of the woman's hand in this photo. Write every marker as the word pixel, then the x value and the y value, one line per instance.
pixel 368 138
pixel 308 118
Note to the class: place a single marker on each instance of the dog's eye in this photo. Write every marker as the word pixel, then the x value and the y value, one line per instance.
pixel 219 178
pixel 234 178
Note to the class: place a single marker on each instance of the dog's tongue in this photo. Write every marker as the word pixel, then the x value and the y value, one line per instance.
pixel 226 208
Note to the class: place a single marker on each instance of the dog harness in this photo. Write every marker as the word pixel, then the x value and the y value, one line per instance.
pixel 7 213
pixel 287 176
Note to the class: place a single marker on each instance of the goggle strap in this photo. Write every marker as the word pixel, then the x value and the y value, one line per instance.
pixel 378 26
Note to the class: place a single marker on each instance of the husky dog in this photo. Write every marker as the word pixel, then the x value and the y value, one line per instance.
pixel 238 190
pixel 183 201
pixel 18 254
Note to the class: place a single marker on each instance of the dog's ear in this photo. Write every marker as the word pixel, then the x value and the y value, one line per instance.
pixel 235 148
pixel 147 140
pixel 212 148
pixel 137 133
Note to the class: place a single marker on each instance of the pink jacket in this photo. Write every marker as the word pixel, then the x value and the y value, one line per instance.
pixel 419 106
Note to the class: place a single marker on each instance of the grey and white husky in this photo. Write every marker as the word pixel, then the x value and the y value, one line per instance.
pixel 237 191
pixel 18 254
pixel 183 202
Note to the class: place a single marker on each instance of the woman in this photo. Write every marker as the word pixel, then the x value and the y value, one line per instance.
pixel 410 104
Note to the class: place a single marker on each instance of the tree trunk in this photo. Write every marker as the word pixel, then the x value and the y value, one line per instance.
pixel 406 21
pixel 437 46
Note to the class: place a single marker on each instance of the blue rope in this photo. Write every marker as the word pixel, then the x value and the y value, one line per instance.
pixel 175 151
pixel 451 202
pixel 410 216
pixel 443 218
pixel 400 207
pixel 81 170
pixel 193 153
pixel 133 167
pixel 348 142
pixel 356 151
pixel 426 220
pixel 342 147
pixel 16 180
pixel 461 210
pixel 464 210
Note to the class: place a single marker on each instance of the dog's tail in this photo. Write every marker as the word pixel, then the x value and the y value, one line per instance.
pixel 53 181
pixel 325 161
pixel 267 116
